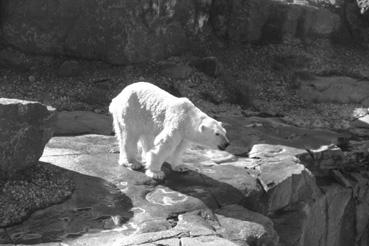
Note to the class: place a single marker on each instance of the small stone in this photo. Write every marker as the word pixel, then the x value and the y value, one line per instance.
pixel 31 78
pixel 98 111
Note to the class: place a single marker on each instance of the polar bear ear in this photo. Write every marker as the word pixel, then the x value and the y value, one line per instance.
pixel 201 127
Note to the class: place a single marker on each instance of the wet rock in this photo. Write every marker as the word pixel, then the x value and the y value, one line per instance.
pixel 25 129
pixel 69 68
pixel 82 122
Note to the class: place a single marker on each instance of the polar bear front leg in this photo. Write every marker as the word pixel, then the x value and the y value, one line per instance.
pixel 175 159
pixel 128 151
pixel 164 146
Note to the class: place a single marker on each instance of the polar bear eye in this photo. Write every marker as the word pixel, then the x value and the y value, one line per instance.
pixel 217 134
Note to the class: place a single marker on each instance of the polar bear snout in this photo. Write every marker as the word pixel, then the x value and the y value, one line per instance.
pixel 225 143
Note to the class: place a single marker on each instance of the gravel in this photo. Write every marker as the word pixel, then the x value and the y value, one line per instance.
pixel 37 187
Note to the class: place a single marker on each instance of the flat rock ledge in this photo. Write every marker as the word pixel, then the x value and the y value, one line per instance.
pixel 268 196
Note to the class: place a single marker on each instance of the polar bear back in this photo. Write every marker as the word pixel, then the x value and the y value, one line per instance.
pixel 147 107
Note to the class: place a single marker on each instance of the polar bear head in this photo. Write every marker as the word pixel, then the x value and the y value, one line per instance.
pixel 211 133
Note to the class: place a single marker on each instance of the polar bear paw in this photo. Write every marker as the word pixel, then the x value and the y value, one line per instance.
pixel 155 175
pixel 135 165
pixel 180 168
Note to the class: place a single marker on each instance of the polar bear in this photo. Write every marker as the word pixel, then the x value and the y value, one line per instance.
pixel 163 124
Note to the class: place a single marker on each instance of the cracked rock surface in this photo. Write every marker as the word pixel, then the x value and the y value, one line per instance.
pixel 268 196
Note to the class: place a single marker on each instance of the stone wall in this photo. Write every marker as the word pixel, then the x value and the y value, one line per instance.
pixel 122 32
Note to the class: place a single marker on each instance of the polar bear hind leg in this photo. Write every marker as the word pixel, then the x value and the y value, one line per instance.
pixel 147 143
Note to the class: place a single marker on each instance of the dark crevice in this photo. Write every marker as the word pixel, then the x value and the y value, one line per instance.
pixel 211 193
pixel 8 236
pixel 173 219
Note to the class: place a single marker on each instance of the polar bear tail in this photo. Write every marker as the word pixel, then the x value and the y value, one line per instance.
pixel 113 112
pixel 111 107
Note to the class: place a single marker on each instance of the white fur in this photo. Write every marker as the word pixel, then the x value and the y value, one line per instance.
pixel 163 124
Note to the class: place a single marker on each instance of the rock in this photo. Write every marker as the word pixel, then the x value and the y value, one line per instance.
pixel 332 157
pixel 340 217
pixel 69 68
pixel 206 241
pixel 323 22
pixel 32 78
pixel 288 21
pixel 177 71
pixel 118 32
pixel 356 22
pixel 223 199
pixel 37 187
pixel 82 122
pixel 340 178
pixel 362 218
pixel 334 90
pixel 284 179
pixel 249 227
pixel 208 65
pixel 25 129
pixel 321 222
pixel 360 125
pixel 247 20
pixel 14 59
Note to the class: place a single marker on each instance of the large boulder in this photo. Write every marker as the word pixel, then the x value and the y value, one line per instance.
pixel 25 129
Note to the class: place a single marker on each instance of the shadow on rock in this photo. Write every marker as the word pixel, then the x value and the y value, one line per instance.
pixel 94 206
pixel 214 193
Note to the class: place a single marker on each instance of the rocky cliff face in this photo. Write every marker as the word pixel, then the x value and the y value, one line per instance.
pixel 122 32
